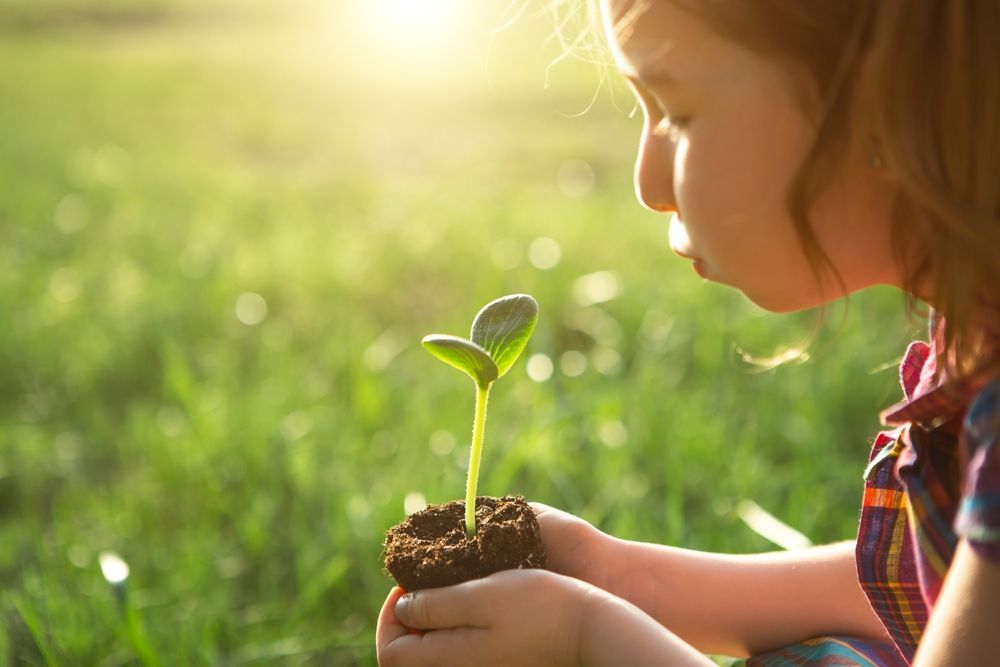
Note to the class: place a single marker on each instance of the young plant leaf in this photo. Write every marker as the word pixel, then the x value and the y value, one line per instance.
pixel 464 355
pixel 503 328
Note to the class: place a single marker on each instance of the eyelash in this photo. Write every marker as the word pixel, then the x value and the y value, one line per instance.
pixel 666 125
pixel 672 127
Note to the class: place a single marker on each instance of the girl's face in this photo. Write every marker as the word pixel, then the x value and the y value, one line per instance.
pixel 724 135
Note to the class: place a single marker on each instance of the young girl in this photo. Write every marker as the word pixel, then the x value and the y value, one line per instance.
pixel 806 150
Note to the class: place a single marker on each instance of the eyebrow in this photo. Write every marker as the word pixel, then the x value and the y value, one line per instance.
pixel 659 78
pixel 656 74
pixel 652 77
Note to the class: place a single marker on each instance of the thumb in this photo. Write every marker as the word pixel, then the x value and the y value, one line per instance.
pixel 391 636
pixel 456 606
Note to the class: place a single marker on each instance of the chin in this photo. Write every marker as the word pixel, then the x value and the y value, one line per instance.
pixel 782 303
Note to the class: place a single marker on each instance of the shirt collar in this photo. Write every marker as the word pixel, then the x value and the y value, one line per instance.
pixel 932 398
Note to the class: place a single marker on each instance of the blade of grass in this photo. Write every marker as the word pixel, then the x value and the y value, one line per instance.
pixel 33 623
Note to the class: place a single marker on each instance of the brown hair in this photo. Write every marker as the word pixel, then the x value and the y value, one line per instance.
pixel 923 75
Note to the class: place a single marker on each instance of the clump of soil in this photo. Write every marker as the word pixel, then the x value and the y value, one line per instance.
pixel 430 548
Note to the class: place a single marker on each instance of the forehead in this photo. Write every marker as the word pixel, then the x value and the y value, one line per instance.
pixel 651 39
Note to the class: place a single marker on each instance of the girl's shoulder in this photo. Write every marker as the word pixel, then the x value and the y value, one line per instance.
pixel 982 419
pixel 978 516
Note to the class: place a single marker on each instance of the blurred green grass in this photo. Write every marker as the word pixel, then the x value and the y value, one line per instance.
pixel 161 159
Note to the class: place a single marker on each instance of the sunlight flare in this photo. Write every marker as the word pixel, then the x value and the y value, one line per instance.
pixel 411 28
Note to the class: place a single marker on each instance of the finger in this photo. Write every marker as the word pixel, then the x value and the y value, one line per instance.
pixel 461 606
pixel 454 647
pixel 544 513
pixel 389 629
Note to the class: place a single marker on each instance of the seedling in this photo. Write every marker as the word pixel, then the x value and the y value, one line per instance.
pixel 499 333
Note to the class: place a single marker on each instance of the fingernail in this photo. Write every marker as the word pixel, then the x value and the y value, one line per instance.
pixel 403 607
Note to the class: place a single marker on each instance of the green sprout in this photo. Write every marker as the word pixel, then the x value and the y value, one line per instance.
pixel 499 333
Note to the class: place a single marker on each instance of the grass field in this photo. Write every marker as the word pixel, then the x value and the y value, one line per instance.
pixel 224 228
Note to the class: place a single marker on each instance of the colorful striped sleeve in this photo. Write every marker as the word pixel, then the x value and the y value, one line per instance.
pixel 978 517
pixel 831 652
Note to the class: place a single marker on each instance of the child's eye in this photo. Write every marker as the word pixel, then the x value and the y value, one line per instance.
pixel 672 126
pixel 663 123
pixel 679 122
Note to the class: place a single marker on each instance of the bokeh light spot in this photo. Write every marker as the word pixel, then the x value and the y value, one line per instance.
pixel 606 361
pixel 442 443
pixel 78 555
pixel 414 502
pixel 113 567
pixel 295 425
pixel 539 367
pixel 71 214
pixel 575 178
pixel 64 285
pixel 595 288
pixel 613 433
pixel 358 508
pixel 573 363
pixel 251 308
pixel 111 164
pixel 544 253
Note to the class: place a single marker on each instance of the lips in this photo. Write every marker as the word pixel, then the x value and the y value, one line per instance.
pixel 680 242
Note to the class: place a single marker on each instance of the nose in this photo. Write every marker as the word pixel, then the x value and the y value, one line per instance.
pixel 654 171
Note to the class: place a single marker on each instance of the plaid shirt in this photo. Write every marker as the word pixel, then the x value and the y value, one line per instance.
pixel 933 479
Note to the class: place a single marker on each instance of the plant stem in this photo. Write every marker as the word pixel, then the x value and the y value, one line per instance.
pixel 475 456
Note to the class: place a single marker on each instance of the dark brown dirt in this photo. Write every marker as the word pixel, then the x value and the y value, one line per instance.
pixel 430 548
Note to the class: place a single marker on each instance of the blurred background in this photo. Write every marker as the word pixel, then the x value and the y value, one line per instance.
pixel 225 226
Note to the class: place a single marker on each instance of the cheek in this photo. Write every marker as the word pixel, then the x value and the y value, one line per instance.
pixel 719 184
pixel 735 170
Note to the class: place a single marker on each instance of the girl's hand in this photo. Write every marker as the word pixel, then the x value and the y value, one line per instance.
pixel 515 617
pixel 528 618
pixel 574 547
